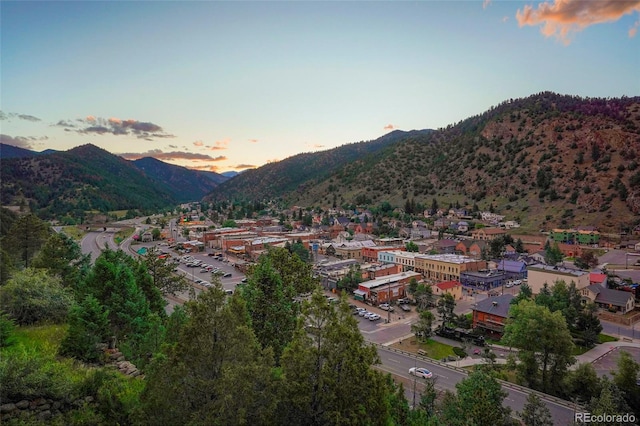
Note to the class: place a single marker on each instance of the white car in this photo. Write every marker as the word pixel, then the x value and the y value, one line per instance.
pixel 363 312
pixel 420 372
pixel 374 317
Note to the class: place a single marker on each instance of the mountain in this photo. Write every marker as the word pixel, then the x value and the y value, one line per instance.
pixel 283 177
pixel 547 161
pixel 10 151
pixel 83 179
pixel 183 184
pixel 230 174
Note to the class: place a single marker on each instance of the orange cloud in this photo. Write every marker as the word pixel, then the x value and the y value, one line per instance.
pixel 207 167
pixel 114 120
pixel 562 18
pixel 244 166
pixel 389 127
pixel 198 143
pixel 253 140
pixel 91 118
pixel 317 145
pixel 219 145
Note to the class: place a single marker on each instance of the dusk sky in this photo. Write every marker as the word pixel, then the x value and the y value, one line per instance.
pixel 232 85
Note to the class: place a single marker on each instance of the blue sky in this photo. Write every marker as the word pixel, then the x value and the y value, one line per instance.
pixel 230 85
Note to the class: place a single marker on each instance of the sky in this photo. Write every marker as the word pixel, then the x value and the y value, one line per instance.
pixel 227 86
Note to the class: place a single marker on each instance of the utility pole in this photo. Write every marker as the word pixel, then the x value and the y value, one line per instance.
pixel 389 301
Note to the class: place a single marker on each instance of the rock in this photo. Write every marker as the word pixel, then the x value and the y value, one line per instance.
pixel 45 407
pixel 23 405
pixel 45 415
pixel 7 408
pixel 120 358
pixel 88 399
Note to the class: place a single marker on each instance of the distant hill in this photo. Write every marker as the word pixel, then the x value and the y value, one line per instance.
pixel 183 184
pixel 10 151
pixel 85 178
pixel 230 174
pixel 548 160
pixel 284 177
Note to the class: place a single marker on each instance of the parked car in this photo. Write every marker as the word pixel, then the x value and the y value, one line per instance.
pixel 386 307
pixel 374 317
pixel 404 301
pixel 227 275
pixel 405 308
pixel 203 270
pixel 363 312
pixel 420 372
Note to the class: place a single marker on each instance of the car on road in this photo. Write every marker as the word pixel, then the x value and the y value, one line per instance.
pixel 420 372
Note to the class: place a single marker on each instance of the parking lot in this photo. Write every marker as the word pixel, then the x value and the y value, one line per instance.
pixel 195 273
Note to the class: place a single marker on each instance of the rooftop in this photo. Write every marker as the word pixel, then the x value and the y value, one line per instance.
pixel 557 270
pixel 498 306
pixel 389 279
pixel 449 258
pixel 446 285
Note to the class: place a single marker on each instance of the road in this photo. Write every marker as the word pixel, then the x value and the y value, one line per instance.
pixel 398 364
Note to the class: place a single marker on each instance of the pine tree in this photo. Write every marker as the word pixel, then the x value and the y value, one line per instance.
pixel 535 412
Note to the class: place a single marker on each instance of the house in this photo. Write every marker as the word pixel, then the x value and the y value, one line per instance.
pixel 598 278
pixel 463 226
pixel 487 234
pixel 453 288
pixel 490 314
pixel 606 298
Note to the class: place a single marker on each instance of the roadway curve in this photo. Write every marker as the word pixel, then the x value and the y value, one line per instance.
pixel 398 363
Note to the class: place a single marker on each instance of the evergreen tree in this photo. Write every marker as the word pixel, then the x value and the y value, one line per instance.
pixel 535 412
pixel 88 326
pixel 26 236
pixel 62 256
pixel 446 305
pixel 325 369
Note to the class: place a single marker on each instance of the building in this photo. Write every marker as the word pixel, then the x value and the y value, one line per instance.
pixel 370 254
pixel 385 289
pixel 514 269
pixel 487 234
pixel 539 274
pixel 483 280
pixel 453 288
pixel 611 300
pixel 489 315
pixel 446 267
pixel 471 248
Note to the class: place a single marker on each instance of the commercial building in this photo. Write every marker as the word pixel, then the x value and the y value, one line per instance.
pixel 446 267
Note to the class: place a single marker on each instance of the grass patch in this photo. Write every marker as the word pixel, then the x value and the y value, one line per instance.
pixel 123 234
pixel 118 213
pixel 604 338
pixel 73 232
pixel 579 350
pixel 42 338
pixel 437 350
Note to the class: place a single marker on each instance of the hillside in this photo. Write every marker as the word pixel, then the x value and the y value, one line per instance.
pixel 547 160
pixel 10 151
pixel 183 184
pixel 82 179
pixel 277 179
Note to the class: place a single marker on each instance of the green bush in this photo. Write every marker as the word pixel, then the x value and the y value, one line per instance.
pixel 459 351
pixel 7 330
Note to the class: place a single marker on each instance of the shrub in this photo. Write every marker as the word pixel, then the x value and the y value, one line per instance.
pixel 7 328
pixel 459 351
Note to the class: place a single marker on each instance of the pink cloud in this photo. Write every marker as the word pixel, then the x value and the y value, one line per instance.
pixel 634 29
pixel 486 4
pixel 219 145
pixel 244 166
pixel 389 127
pixel 114 120
pixel 90 118
pixel 198 143
pixel 562 18
pixel 253 140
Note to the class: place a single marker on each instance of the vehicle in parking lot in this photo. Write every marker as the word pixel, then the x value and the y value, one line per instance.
pixel 363 312
pixel 509 284
pixel 405 308
pixel 198 281
pixel 386 307
pixel 420 372
pixel 228 292
pixel 227 275
pixel 203 270
pixel 374 317
pixel 404 301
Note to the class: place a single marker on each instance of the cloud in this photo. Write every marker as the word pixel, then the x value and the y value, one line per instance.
pixel 389 127
pixel 244 166
pixel 26 142
pixel 9 115
pixel 562 18
pixel 219 145
pixel 253 140
pixel 198 143
pixel 634 29
pixel 115 126
pixel 173 155
pixel 486 3
pixel 207 167
pixel 505 19
pixel 317 146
